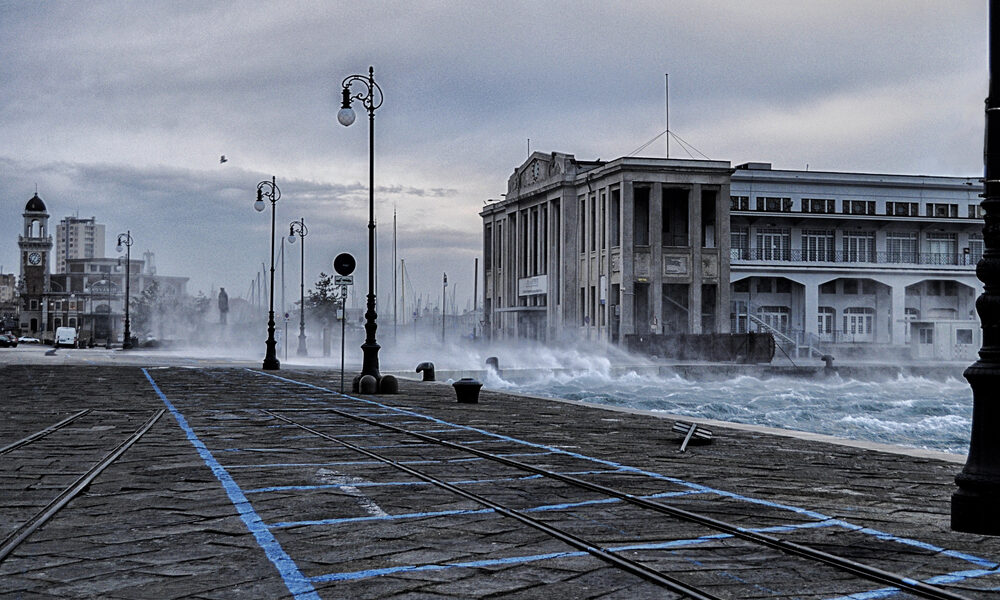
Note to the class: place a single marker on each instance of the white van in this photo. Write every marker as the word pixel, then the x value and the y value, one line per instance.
pixel 66 336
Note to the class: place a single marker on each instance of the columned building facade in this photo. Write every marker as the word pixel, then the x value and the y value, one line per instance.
pixel 830 263
pixel 598 250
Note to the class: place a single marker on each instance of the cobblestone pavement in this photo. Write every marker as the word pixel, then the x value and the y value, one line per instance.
pixel 223 500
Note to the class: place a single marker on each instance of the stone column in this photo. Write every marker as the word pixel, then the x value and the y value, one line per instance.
pixel 656 208
pixel 898 312
pixel 810 307
pixel 694 247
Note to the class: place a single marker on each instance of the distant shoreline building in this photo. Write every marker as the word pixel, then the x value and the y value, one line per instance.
pixel 89 292
pixel 840 263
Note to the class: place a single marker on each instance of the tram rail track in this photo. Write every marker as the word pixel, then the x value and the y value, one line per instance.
pixel 19 535
pixel 42 432
pixel 901 582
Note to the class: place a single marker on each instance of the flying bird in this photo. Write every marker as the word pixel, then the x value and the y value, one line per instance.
pixel 223 159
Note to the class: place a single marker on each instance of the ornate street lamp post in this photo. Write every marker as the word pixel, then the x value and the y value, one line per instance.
pixel 125 239
pixel 298 228
pixel 975 507
pixel 371 98
pixel 272 193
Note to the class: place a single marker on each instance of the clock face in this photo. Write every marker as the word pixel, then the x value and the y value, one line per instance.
pixel 35 258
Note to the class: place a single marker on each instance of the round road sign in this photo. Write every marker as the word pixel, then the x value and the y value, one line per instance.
pixel 344 264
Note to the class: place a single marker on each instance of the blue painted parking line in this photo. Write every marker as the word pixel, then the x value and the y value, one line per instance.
pixel 954 577
pixel 404 516
pixel 369 573
pixel 816 515
pixel 361 484
pixel 297 583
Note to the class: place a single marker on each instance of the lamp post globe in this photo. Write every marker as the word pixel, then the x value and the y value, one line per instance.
pixel 371 98
pixel 269 189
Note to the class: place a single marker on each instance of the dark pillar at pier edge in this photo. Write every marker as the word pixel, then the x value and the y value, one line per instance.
pixel 975 507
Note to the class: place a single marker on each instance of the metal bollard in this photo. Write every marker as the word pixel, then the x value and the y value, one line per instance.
pixel 367 384
pixel 428 369
pixel 467 390
pixel 388 384
pixel 493 363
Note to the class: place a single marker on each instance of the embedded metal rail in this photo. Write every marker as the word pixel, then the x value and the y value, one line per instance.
pixel 628 565
pixel 21 533
pixel 43 432
pixel 904 583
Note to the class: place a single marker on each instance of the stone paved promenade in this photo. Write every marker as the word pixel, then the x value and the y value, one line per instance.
pixel 223 500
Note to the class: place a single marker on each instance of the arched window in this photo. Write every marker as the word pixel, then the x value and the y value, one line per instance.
pixel 774 317
pixel 858 321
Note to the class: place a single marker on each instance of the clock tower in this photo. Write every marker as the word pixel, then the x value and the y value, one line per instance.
pixel 36 245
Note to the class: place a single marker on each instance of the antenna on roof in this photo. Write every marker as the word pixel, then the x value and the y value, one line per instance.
pixel 666 106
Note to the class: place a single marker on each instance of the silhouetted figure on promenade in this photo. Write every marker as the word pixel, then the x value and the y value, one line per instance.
pixel 223 305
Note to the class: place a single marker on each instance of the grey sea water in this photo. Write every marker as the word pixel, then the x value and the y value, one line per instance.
pixel 906 411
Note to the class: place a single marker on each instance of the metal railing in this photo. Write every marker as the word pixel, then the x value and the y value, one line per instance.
pixel 737 255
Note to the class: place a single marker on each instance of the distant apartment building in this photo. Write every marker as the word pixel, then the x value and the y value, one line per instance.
pixel 8 302
pixel 838 263
pixel 78 238
pixel 857 261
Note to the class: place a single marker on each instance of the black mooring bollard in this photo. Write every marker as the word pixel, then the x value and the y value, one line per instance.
pixel 367 384
pixel 493 363
pixel 388 384
pixel 428 369
pixel 467 390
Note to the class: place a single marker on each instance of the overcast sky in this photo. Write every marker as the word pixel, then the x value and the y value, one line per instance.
pixel 120 110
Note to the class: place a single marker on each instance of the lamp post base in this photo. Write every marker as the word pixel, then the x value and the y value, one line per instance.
pixel 302 346
pixel 976 512
pixel 271 362
pixel 370 361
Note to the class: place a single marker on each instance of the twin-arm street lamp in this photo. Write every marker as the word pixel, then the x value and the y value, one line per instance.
pixel 371 99
pixel 271 191
pixel 125 239
pixel 298 228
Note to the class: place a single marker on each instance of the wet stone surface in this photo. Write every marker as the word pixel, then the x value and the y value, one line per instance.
pixel 222 500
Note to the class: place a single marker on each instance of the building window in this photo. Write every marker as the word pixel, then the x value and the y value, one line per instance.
pixel 774 204
pixel 926 335
pixel 858 322
pixel 773 244
pixel 819 205
pixel 859 246
pixel 616 213
pixel 774 317
pixel 901 246
pixel 34 306
pixel 858 207
pixel 850 286
pixel 942 249
pixel 830 287
pixel 963 336
pixel 825 319
pixel 941 210
pixel 739 203
pixel 72 321
pixel 975 211
pixel 817 245
pixel 975 248
pixel 739 243
pixel 902 209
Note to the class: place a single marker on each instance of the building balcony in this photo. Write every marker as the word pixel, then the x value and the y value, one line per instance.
pixel 813 258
